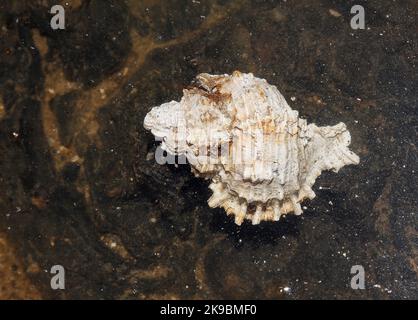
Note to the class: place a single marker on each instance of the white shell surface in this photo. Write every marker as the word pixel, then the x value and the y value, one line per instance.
pixel 239 131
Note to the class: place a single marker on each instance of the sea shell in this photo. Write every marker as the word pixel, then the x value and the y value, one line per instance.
pixel 239 131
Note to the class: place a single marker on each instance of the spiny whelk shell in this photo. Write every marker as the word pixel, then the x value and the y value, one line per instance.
pixel 239 131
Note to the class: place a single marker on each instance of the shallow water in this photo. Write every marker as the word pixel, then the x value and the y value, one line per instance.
pixel 77 188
